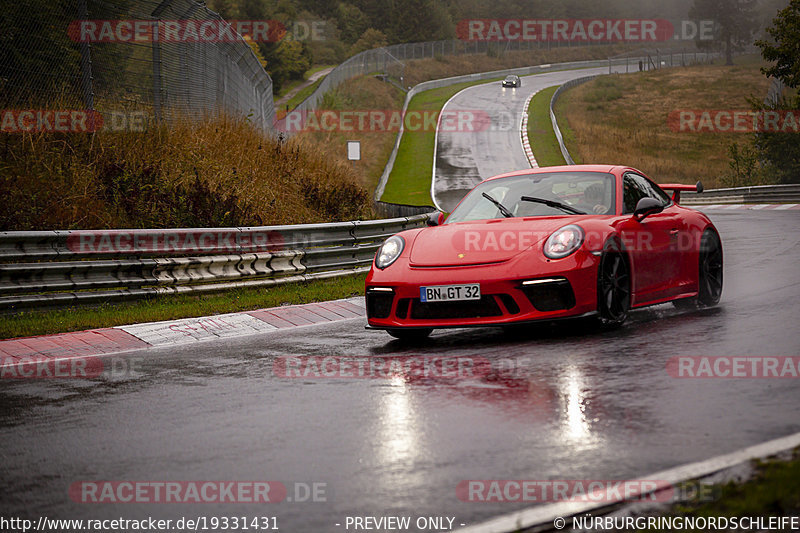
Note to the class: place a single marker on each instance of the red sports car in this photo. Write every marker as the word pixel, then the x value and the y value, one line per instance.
pixel 544 244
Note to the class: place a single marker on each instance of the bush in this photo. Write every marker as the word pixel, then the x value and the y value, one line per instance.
pixel 216 173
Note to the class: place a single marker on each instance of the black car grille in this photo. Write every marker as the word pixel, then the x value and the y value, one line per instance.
pixel 402 307
pixel 551 296
pixel 485 307
pixel 379 304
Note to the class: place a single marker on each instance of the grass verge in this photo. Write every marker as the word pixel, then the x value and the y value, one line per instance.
pixel 302 94
pixel 774 490
pixel 622 119
pixel 540 130
pixel 171 307
pixel 410 179
pixel 365 93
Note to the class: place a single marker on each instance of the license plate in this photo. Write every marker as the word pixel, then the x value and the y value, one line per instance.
pixel 450 293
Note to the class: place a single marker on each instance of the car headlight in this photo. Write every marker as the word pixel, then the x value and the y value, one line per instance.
pixel 389 251
pixel 563 242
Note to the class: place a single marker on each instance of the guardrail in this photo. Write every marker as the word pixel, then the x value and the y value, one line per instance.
pixel 61 268
pixel 757 194
pixel 570 84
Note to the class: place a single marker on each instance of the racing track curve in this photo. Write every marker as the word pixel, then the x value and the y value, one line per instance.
pixel 463 158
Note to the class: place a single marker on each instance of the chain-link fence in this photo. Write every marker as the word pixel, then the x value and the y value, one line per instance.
pixel 126 58
pixel 388 61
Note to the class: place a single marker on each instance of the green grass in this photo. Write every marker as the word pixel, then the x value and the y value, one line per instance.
pixel 774 490
pixel 291 84
pixel 540 130
pixel 566 132
pixel 313 70
pixel 410 179
pixel 302 94
pixel 170 307
pixel 288 86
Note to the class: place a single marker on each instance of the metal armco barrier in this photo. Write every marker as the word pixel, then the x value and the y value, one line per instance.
pixel 758 194
pixel 388 210
pixel 556 129
pixel 60 268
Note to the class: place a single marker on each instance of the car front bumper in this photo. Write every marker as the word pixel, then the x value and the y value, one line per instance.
pixel 511 292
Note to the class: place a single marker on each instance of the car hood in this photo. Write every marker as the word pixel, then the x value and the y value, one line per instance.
pixel 481 242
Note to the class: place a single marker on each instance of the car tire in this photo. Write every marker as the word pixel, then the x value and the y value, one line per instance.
pixel 613 286
pixel 410 334
pixel 710 273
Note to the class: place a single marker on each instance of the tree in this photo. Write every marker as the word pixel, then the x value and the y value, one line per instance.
pixel 292 60
pixel 780 152
pixel 735 22
pixel 785 50
pixel 352 22
pixel 421 20
pixel 370 39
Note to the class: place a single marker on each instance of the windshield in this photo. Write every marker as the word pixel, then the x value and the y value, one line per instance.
pixel 542 194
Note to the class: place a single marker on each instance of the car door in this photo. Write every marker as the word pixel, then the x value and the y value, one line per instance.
pixel 651 242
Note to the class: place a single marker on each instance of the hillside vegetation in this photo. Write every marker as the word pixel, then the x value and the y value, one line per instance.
pixel 622 119
pixel 220 172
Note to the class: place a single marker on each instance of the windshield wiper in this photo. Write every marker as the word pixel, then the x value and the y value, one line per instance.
pixel 552 203
pixel 505 212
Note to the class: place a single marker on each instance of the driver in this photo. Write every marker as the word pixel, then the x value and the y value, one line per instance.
pixel 593 196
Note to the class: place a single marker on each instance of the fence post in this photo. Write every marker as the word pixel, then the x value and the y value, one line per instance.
pixel 156 74
pixel 86 63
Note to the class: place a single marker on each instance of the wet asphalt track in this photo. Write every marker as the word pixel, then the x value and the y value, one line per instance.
pixel 492 144
pixel 578 404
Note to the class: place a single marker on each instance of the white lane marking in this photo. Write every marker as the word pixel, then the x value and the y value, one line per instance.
pixel 436 144
pixel 526 143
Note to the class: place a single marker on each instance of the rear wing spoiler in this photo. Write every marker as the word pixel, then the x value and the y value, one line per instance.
pixel 676 189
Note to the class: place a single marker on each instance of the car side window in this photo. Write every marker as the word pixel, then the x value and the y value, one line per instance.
pixel 636 187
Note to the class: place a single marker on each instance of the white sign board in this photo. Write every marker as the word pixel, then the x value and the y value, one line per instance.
pixel 354 150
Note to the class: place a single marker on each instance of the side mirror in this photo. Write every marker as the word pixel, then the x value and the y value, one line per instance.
pixel 435 219
pixel 646 207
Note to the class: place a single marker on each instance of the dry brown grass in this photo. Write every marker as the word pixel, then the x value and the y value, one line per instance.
pixel 359 94
pixel 622 119
pixel 216 173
